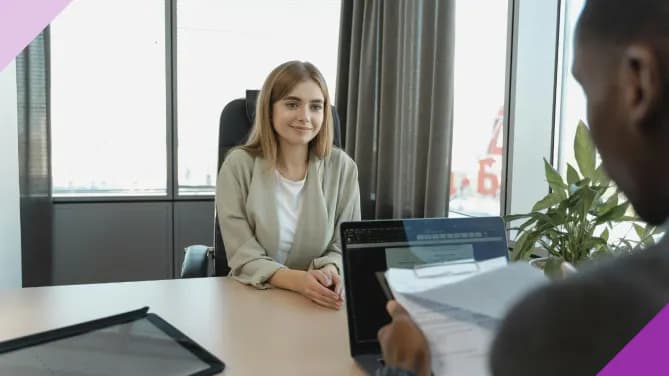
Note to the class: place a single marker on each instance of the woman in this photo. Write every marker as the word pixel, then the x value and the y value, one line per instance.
pixel 282 196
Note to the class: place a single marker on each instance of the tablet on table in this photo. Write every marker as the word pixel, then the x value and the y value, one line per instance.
pixel 132 343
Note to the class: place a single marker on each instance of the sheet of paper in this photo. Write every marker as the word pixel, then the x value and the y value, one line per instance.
pixel 460 315
pixel 407 257
pixel 489 293
pixel 458 347
pixel 417 280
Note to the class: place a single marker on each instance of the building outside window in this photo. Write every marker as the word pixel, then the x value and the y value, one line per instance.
pixel 108 106
pixel 480 72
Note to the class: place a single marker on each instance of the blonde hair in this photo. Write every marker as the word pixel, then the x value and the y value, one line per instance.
pixel 263 140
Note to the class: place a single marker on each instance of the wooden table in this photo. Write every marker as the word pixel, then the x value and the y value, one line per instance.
pixel 255 332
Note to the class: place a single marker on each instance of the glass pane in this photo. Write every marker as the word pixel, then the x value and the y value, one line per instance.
pixel 480 72
pixel 225 47
pixel 572 106
pixel 108 106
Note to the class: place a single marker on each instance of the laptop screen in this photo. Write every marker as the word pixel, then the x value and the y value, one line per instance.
pixel 374 246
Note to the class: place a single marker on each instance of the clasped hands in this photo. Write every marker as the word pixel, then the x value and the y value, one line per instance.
pixel 323 286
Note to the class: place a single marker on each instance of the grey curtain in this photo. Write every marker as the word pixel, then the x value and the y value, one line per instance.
pixel 395 96
pixel 32 80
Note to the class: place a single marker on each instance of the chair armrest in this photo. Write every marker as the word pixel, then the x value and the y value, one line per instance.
pixel 196 261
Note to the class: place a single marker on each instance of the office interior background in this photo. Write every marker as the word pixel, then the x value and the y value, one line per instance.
pixel 110 175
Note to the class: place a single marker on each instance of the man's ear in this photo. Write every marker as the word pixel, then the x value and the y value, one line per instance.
pixel 640 84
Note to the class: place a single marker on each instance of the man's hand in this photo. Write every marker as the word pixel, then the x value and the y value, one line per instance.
pixel 403 344
pixel 313 286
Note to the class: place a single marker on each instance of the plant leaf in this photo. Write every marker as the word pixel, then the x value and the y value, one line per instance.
pixel 588 196
pixel 558 215
pixel 550 200
pixel 640 231
pixel 649 242
pixel 655 230
pixel 608 205
pixel 527 224
pixel 601 177
pixel 546 221
pixel 594 242
pixel 554 179
pixel 615 214
pixel 524 245
pixel 514 217
pixel 605 235
pixel 584 151
pixel 572 175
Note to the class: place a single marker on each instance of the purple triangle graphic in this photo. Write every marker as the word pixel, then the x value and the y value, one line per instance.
pixel 646 354
pixel 21 21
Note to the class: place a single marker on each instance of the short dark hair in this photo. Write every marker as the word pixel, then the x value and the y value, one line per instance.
pixel 623 21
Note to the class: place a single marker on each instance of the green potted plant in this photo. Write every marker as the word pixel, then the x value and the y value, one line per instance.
pixel 573 222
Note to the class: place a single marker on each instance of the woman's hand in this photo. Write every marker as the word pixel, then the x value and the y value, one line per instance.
pixel 336 282
pixel 314 285
pixel 403 344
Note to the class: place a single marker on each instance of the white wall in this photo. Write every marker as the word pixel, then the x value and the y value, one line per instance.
pixel 10 225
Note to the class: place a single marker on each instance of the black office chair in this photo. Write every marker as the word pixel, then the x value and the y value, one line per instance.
pixel 234 128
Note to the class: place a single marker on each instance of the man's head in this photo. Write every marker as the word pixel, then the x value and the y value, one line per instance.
pixel 622 62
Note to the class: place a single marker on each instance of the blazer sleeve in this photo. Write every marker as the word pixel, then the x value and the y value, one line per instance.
pixel 347 209
pixel 248 260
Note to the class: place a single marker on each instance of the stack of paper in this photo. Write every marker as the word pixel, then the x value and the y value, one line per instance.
pixel 459 308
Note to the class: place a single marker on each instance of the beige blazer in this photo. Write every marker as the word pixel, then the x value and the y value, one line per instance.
pixel 247 213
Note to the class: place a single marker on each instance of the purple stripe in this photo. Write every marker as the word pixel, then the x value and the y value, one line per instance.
pixel 21 21
pixel 646 353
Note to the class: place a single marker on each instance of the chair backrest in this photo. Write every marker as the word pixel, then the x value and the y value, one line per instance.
pixel 234 128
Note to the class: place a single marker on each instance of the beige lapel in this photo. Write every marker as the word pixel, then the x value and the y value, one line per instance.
pixel 264 203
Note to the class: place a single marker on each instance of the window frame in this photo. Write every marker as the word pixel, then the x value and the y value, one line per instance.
pixel 170 80
pixel 172 153
pixel 532 84
pixel 514 150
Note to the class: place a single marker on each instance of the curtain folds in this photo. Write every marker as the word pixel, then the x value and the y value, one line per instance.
pixel 395 98
pixel 32 78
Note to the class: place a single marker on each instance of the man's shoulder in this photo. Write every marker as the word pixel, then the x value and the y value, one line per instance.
pixel 586 319
pixel 648 267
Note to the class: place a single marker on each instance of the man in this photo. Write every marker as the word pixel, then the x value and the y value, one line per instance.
pixel 576 326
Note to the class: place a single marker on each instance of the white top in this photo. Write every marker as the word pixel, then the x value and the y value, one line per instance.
pixel 288 203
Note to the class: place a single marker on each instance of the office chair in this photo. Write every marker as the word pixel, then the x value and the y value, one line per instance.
pixel 234 128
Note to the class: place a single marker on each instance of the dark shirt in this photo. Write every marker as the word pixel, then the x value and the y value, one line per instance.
pixel 392 371
pixel 576 326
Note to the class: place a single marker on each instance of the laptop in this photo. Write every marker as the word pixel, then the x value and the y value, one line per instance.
pixel 374 246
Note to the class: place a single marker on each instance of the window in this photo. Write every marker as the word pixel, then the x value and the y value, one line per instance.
pixel 480 71
pixel 108 106
pixel 225 47
pixel 572 99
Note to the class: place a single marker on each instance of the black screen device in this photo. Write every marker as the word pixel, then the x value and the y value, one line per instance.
pixel 373 246
pixel 383 282
pixel 131 343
